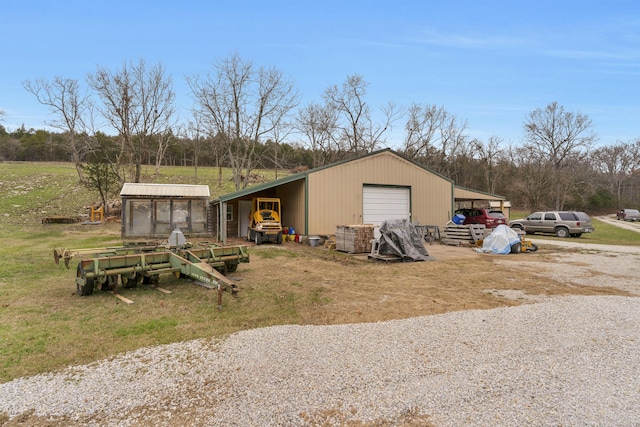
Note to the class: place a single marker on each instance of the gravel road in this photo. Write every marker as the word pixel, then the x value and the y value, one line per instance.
pixel 564 361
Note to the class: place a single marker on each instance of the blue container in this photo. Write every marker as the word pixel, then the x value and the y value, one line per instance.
pixel 458 219
pixel 292 230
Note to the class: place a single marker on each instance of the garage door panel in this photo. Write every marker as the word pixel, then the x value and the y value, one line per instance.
pixel 383 203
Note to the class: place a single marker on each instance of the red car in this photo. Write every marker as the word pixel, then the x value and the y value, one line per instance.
pixel 628 215
pixel 491 218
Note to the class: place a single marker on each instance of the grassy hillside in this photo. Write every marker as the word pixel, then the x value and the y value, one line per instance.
pixel 30 191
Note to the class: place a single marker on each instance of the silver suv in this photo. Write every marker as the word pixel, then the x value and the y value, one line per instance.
pixel 560 223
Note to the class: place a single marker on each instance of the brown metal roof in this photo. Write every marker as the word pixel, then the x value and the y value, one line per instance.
pixel 164 190
pixel 461 194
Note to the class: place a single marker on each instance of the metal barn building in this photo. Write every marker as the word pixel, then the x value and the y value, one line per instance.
pixel 365 190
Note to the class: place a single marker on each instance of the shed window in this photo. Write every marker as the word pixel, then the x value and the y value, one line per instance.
pixel 162 217
pixel 229 212
pixel 139 218
pixel 181 215
pixel 198 216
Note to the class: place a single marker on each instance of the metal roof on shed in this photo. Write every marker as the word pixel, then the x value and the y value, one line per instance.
pixel 164 190
pixel 462 193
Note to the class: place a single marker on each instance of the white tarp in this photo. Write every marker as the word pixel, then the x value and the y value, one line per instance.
pixel 499 241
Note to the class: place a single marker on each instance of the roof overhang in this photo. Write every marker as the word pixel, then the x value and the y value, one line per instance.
pixel 461 194
pixel 164 190
pixel 260 187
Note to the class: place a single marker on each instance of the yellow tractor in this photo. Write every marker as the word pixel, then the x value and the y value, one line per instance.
pixel 264 221
pixel 521 246
pixel 524 245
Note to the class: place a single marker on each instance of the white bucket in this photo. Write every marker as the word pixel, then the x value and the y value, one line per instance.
pixel 313 241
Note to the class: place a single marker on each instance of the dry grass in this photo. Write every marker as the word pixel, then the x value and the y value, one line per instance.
pixel 332 288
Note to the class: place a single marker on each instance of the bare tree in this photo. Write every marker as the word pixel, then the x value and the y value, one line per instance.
pixel 192 134
pixel 163 140
pixel 137 101
pixel 435 138
pixel 530 181
pixel 358 132
pixel 65 100
pixel 617 163
pixel 559 139
pixel 243 105
pixel 490 155
pixel 319 125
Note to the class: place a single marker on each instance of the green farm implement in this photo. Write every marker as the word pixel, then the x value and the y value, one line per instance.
pixel 144 262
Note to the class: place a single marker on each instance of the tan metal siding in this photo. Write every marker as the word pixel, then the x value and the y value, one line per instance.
pixel 336 192
pixel 292 199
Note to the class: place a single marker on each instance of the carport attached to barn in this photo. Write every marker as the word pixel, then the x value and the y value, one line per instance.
pixel 468 198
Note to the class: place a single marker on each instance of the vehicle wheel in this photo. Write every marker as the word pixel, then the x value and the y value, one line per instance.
pixel 249 234
pixel 533 247
pixel 518 227
pixel 562 232
pixel 258 238
pixel 279 239
pixel 131 281
pixel 87 287
pixel 231 267
pixel 110 283
pixel 516 248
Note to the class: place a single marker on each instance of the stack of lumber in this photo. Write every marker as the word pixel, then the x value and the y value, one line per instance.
pixel 456 235
pixel 330 242
pixel 354 239
pixel 60 220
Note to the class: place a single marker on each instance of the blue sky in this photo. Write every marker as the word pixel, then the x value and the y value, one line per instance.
pixel 487 62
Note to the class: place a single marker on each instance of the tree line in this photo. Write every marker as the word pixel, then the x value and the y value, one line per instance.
pixel 246 117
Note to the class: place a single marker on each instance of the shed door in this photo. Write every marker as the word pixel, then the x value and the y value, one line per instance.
pixel 244 210
pixel 381 203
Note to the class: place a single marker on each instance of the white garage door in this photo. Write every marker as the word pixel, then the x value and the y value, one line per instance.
pixel 381 203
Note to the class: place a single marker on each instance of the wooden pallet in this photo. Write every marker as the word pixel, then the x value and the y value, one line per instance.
pixel 453 234
pixel 375 253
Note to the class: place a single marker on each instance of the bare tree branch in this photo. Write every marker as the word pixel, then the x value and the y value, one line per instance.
pixel 242 105
pixel 65 100
pixel 137 101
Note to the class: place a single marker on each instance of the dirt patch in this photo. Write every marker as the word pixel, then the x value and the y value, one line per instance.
pixel 341 288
